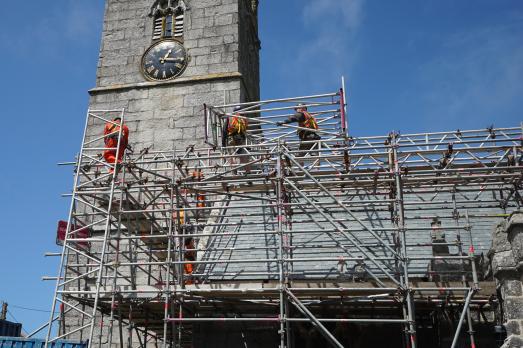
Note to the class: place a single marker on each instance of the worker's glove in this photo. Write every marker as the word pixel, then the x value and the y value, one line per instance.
pixel 279 123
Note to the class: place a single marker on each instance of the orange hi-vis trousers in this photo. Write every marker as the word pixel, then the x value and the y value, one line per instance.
pixel 188 268
pixel 110 157
pixel 111 141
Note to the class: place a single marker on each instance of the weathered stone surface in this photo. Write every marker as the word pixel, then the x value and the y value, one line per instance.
pixel 514 308
pixel 507 245
pixel 511 288
pixel 506 254
pixel 515 235
pixel 214 34
pixel 503 261
pixel 513 327
pixel 223 27
pixel 499 238
pixel 513 342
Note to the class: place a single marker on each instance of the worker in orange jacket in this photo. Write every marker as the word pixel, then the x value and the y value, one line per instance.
pixel 235 134
pixel 111 133
pixel 307 121
pixel 189 255
pixel 188 242
pixel 197 175
pixel 235 129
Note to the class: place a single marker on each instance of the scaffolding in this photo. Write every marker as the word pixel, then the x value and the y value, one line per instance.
pixel 278 235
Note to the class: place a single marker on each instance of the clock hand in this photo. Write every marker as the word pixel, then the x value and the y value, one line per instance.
pixel 162 60
pixel 174 59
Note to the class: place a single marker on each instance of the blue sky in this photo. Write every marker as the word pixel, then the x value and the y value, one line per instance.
pixel 410 66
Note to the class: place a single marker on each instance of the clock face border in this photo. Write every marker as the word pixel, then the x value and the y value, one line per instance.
pixel 151 47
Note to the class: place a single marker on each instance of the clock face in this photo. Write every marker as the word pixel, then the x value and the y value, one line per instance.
pixel 164 60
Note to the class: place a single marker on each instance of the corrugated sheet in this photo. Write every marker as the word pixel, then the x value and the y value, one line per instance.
pixel 8 328
pixel 15 342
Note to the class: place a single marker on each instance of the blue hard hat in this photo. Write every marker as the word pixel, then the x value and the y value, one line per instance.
pixel 237 108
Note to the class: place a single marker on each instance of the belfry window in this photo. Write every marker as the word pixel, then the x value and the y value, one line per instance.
pixel 168 19
pixel 168 31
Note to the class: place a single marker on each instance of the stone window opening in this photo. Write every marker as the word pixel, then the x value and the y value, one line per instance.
pixel 168 18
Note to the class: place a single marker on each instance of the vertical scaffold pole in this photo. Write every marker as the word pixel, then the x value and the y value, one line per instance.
pixel 116 265
pixel 167 287
pixel 402 231
pixel 280 210
pixel 343 107
pixel 65 251
pixel 464 280
pixel 462 317
pixel 107 231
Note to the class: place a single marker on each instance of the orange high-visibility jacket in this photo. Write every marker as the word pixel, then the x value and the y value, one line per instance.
pixel 308 122
pixel 237 125
pixel 189 255
pixel 180 214
pixel 200 200
pixel 200 197
pixel 112 140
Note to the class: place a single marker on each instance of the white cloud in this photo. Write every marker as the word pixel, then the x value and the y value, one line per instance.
pixel 331 47
pixel 347 13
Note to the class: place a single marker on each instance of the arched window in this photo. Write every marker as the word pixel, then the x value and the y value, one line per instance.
pixel 168 18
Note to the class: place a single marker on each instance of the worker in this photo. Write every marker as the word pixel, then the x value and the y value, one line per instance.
pixel 235 134
pixel 185 228
pixel 111 133
pixel 307 121
pixel 197 175
pixel 189 255
pixel 235 129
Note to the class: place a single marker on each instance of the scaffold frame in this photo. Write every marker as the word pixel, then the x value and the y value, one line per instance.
pixel 129 276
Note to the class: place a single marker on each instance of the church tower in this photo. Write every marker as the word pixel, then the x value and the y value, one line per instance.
pixel 161 60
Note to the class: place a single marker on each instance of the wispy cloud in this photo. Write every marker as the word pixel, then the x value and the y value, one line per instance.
pixel 476 77
pixel 330 46
pixel 333 13
pixel 333 48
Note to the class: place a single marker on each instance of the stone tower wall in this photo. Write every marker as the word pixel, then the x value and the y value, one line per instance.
pixel 222 44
